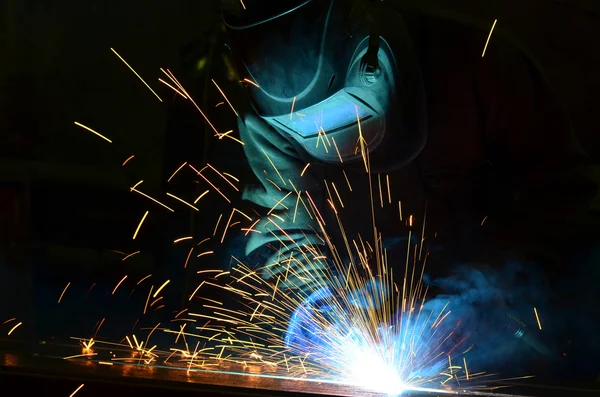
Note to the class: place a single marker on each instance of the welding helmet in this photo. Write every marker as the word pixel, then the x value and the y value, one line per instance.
pixel 321 74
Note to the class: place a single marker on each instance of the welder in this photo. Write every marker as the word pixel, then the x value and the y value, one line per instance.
pixel 459 138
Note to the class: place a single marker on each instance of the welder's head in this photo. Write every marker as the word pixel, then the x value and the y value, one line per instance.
pixel 316 72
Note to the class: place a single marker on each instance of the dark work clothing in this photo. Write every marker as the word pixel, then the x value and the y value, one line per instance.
pixel 498 148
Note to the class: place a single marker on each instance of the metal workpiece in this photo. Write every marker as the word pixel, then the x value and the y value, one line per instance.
pixel 48 373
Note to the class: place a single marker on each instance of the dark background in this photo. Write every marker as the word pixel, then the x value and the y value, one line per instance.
pixel 64 199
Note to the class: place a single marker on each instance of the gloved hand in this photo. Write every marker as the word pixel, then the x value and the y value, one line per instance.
pixel 329 313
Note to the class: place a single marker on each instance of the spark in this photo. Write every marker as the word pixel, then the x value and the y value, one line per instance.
pixel 231 176
pixel 182 239
pixel 148 197
pixel 173 88
pixel 91 130
pixel 225 97
pixel 380 191
pixel 347 180
pixel 273 165
pixel 172 77
pixel 196 290
pixel 483 221
pixel 304 169
pixel 80 355
pixel 292 111
pixel 76 390
pixel 176 171
pixel 227 226
pixel 389 191
pixel 146 305
pixel 136 73
pixel 183 201
pixel 489 37
pixel 160 288
pixel 97 330
pixel 140 225
pixel 118 284
pixel 337 150
pixel 214 187
pixel 217 225
pixel 188 258
pixel 537 318
pixel 222 176
pixel 130 255
pixel 143 279
pixel 126 161
pixel 64 290
pixel 202 195
pixel 14 328
pixel 247 80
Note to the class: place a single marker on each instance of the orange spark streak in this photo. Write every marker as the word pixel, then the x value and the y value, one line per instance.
pixel 148 197
pixel 160 288
pixel 217 225
pixel 140 225
pixel 347 180
pixel 91 130
pixel 196 290
pixel 99 326
pixel 126 161
pixel 194 103
pixel 292 111
pixel 136 73
pixel 537 318
pixel 247 80
pixel 176 171
pixel 304 169
pixel 214 187
pixel 76 390
pixel 130 255
pixel 275 168
pixel 80 355
pixel 227 226
pixel 64 290
pixel 117 286
pixel 489 37
pixel 182 239
pixel 173 88
pixel 231 176
pixel 146 306
pixel 251 227
pixel 222 93
pixel 145 278
pixel 188 258
pixel 183 201
pixel 202 195
pixel 222 176
pixel 15 327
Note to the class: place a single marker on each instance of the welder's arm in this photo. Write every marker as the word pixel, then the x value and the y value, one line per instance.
pixel 288 232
